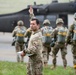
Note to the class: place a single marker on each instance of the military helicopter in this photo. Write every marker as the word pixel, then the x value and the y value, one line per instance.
pixel 43 11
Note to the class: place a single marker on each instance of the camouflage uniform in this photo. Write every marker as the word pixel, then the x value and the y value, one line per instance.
pixel 34 51
pixel 59 44
pixel 46 29
pixel 71 39
pixel 19 45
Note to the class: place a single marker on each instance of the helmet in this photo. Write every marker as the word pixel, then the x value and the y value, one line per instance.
pixel 20 23
pixel 46 22
pixel 75 15
pixel 59 20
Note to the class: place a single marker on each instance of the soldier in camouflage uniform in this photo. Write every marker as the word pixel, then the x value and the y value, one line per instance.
pixel 71 39
pixel 46 32
pixel 34 50
pixel 18 33
pixel 59 35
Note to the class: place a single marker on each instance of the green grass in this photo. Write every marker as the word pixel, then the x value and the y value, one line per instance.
pixel 59 71
pixel 11 68
pixel 9 6
pixel 14 68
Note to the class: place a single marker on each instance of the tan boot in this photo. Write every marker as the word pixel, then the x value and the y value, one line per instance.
pixel 45 64
pixel 53 67
pixel 64 66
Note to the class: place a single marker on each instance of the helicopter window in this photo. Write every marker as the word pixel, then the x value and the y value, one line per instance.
pixel 40 17
pixel 51 17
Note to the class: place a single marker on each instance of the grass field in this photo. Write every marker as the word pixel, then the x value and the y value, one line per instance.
pixel 9 6
pixel 13 68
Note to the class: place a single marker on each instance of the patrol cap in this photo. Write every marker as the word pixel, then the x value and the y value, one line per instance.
pixel 75 15
pixel 20 23
pixel 46 22
pixel 59 20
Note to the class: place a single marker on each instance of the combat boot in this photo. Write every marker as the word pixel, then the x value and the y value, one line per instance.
pixel 53 67
pixel 64 66
pixel 22 59
pixel 45 64
pixel 18 58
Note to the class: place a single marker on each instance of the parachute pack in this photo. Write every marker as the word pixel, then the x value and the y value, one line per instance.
pixel 46 32
pixel 62 32
pixel 20 35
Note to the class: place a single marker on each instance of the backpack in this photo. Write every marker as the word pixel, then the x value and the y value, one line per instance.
pixel 20 35
pixel 46 32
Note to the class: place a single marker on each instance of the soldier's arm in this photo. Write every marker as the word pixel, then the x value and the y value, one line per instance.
pixel 28 33
pixel 31 16
pixel 14 33
pixel 31 12
pixel 54 34
pixel 71 28
pixel 35 46
pixel 69 34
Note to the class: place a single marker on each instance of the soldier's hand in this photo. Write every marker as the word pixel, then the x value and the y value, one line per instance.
pixel 31 10
pixel 23 54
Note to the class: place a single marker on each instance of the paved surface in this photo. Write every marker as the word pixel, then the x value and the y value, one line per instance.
pixel 7 52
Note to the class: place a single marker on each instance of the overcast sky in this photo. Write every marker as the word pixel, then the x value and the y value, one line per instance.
pixel 43 1
pixel 7 6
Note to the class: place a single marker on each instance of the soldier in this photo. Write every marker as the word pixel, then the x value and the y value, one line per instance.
pixel 34 50
pixel 18 33
pixel 71 39
pixel 46 32
pixel 59 35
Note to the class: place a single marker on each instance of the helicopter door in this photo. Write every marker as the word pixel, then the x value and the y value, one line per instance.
pixel 65 19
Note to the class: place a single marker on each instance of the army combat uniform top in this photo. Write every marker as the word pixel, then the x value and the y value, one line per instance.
pixel 34 51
